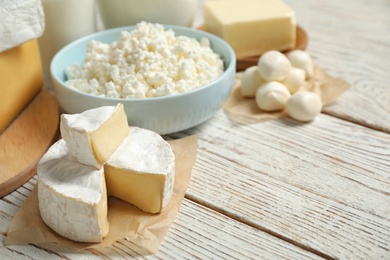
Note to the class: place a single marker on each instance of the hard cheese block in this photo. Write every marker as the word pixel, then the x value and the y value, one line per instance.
pixel 20 80
pixel 141 171
pixel 72 196
pixel 251 27
pixel 92 136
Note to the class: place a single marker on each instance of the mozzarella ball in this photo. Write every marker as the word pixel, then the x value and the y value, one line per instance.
pixel 304 106
pixel 302 60
pixel 272 96
pixel 294 80
pixel 273 65
pixel 250 81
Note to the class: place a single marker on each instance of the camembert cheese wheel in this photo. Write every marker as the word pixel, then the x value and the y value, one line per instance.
pixel 141 171
pixel 92 136
pixel 72 189
pixel 72 196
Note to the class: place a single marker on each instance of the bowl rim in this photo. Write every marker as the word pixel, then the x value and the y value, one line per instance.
pixel 230 66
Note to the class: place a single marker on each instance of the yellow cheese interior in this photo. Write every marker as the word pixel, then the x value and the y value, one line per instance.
pixel 252 27
pixel 143 190
pixel 109 136
pixel 20 80
pixel 102 209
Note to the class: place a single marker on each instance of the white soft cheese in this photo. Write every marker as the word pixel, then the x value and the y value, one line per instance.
pixel 251 81
pixel 92 136
pixel 141 171
pixel 273 65
pixel 72 196
pixel 294 80
pixel 272 96
pixel 304 106
pixel 146 62
pixel 20 21
pixel 301 59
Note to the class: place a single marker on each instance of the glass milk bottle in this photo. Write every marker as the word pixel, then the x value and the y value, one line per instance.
pixel 116 13
pixel 65 21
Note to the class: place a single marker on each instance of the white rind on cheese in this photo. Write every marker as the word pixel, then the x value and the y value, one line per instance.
pixel 20 21
pixel 72 196
pixel 92 136
pixel 141 171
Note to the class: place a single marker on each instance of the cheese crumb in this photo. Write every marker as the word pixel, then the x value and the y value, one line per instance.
pixel 146 62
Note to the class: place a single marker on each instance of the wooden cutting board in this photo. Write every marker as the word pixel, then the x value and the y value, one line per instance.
pixel 24 142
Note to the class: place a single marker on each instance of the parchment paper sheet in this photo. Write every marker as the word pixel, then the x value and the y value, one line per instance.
pixel 328 87
pixel 126 221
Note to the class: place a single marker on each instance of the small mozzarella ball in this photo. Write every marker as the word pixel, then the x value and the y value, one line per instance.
pixel 273 65
pixel 304 106
pixel 294 80
pixel 301 59
pixel 272 96
pixel 250 81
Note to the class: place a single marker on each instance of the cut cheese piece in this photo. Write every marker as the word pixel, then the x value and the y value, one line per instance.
pixel 251 27
pixel 141 171
pixel 20 80
pixel 20 21
pixel 92 136
pixel 72 196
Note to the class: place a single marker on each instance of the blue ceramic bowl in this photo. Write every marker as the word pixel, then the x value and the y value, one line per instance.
pixel 164 115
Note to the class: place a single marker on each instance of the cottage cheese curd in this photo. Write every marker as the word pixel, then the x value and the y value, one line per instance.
pixel 146 62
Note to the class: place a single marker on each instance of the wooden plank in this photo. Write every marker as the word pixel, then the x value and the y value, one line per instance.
pixel 198 232
pixel 351 39
pixel 323 185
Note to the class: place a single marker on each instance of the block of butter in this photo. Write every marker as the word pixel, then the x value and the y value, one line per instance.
pixel 251 27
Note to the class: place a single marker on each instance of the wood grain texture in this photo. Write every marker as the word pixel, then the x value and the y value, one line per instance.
pixel 198 232
pixel 24 142
pixel 323 186
pixel 279 189
pixel 351 40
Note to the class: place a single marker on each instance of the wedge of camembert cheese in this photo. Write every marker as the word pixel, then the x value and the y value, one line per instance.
pixel 72 196
pixel 92 136
pixel 141 171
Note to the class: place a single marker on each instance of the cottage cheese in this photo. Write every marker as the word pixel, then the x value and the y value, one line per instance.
pixel 146 62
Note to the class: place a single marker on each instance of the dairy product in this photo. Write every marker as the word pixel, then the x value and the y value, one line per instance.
pixel 251 81
pixel 146 62
pixel 304 106
pixel 20 21
pixel 251 27
pixel 66 21
pixel 116 13
pixel 294 80
pixel 72 196
pixel 141 171
pixel 92 136
pixel 272 96
pixel 273 65
pixel 20 80
pixel 301 59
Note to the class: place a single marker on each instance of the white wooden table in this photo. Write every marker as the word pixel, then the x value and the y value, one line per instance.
pixel 279 189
